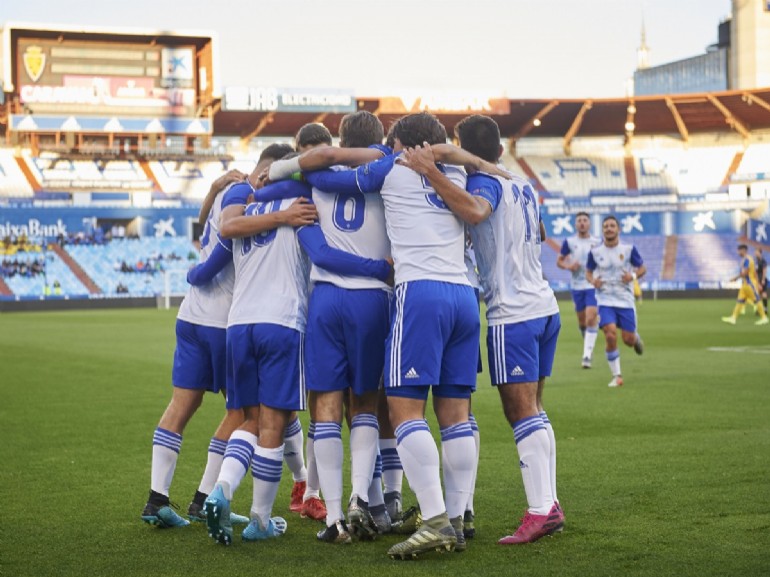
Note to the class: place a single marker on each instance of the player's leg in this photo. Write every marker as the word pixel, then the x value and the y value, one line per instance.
pixel 392 470
pixel 242 394
pixel 759 306
pixel 608 324
pixel 282 390
pixel 547 354
pixel 458 453
pixel 626 321
pixel 740 305
pixel 267 466
pixel 592 327
pixel 327 414
pixel 578 299
pixel 217 345
pixel 191 377
pixel 458 379
pixel 216 453
pixel 294 456
pixel 366 325
pixel 514 360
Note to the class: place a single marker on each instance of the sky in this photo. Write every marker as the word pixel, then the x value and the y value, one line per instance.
pixel 498 48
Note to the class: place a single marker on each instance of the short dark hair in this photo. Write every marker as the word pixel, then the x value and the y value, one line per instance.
pixel 479 135
pixel 360 129
pixel 414 129
pixel 582 213
pixel 611 217
pixel 390 137
pixel 313 134
pixel 275 151
pixel 743 246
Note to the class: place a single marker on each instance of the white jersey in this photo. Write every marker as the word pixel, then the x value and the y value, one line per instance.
pixel 209 305
pixel 353 222
pixel 507 247
pixel 610 264
pixel 427 240
pixel 470 264
pixel 271 275
pixel 577 248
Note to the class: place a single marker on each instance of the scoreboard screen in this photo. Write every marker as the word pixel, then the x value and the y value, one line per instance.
pixel 106 78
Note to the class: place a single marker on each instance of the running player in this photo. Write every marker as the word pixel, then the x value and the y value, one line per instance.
pixel 750 288
pixel 612 268
pixel 572 257
pixel 522 312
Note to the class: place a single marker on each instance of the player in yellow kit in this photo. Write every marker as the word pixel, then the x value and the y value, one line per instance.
pixel 750 289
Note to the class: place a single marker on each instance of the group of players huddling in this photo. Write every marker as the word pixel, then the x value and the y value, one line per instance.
pixel 387 313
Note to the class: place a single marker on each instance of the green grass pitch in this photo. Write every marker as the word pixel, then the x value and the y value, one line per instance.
pixel 668 475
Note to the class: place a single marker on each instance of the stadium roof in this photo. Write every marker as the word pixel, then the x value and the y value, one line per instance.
pixel 741 111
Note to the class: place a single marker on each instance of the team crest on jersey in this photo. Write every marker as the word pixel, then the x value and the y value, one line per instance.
pixel 34 62
pixel 620 256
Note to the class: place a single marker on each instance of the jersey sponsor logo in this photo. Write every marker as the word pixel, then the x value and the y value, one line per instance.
pixel 412 374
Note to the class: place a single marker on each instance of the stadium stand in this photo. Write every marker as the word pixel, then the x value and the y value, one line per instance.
pixel 755 164
pixel 578 176
pixel 13 183
pixel 56 272
pixel 706 257
pixel 136 264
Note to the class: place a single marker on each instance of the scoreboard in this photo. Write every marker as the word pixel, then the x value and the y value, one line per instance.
pixel 120 80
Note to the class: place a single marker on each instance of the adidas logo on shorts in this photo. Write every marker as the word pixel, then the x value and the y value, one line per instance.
pixel 517 372
pixel 412 374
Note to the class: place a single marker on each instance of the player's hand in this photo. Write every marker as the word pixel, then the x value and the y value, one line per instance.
pixel 262 179
pixel 598 283
pixel 229 177
pixel 574 267
pixel 391 280
pixel 627 277
pixel 300 213
pixel 495 170
pixel 420 158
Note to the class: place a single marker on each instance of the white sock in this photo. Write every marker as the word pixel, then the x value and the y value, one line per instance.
pixel 419 457
pixel 589 342
pixel 313 487
pixel 238 454
pixel 376 496
pixel 392 471
pixel 216 455
pixel 458 455
pixel 294 442
pixel 552 453
pixel 477 440
pixel 329 455
pixel 165 451
pixel 613 358
pixel 534 454
pixel 364 433
pixel 266 469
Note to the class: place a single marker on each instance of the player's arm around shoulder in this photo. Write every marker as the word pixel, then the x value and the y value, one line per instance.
pixel 220 184
pixel 471 208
